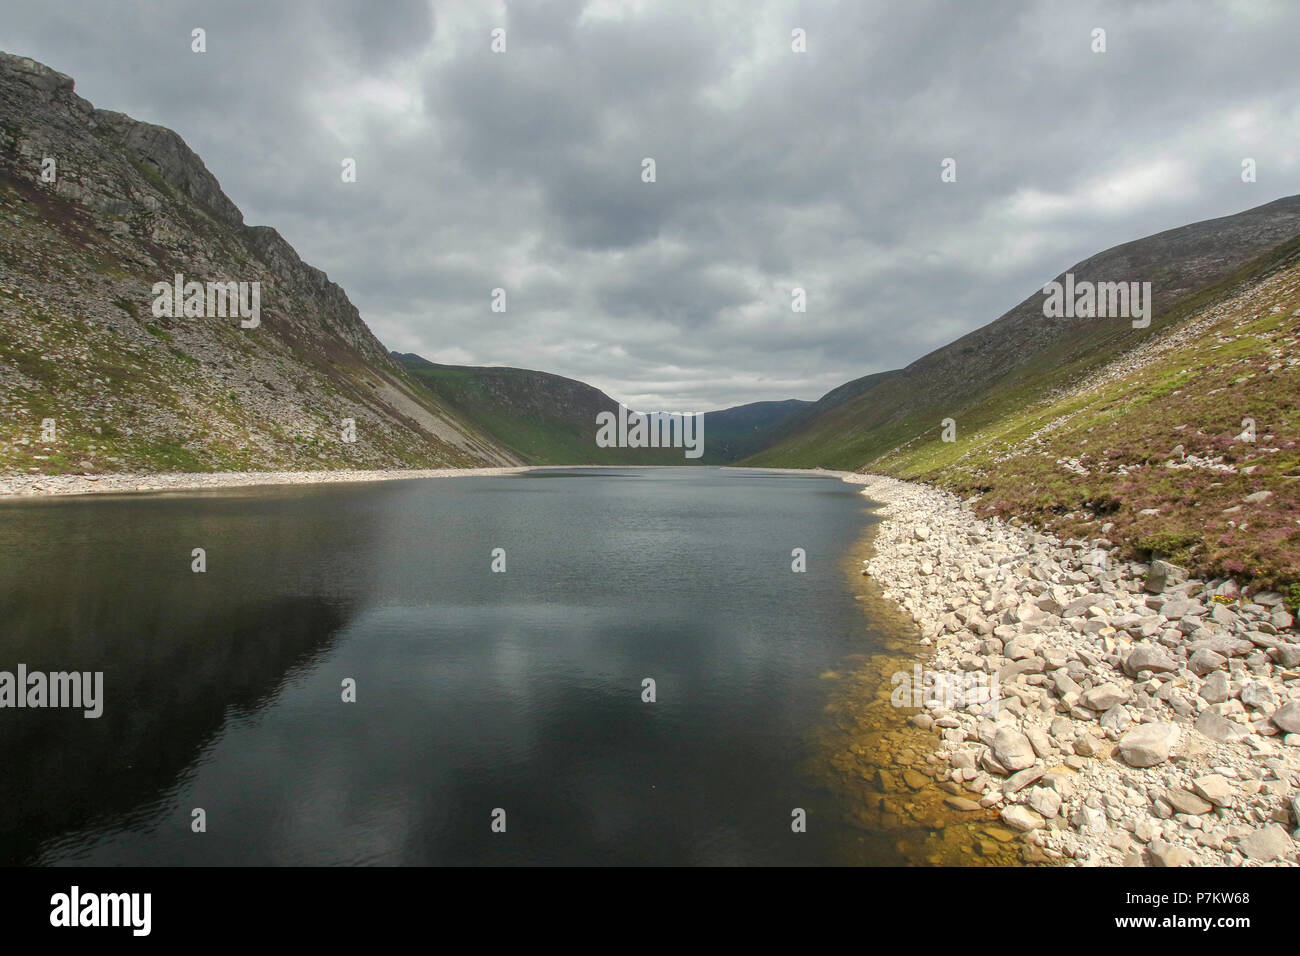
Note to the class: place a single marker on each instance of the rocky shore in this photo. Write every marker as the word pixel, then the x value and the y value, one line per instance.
pixel 1142 719
pixel 111 483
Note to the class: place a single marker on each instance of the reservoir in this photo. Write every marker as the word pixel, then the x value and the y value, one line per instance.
pixel 517 696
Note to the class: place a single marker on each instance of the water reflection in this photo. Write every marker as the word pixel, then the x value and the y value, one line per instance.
pixel 475 690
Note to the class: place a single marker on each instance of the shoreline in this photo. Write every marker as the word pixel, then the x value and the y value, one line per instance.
pixel 13 487
pixel 1143 718
pixel 879 760
pixel 16 486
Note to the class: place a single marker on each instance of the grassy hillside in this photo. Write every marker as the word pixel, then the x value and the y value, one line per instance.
pixel 1151 452
pixel 1022 357
pixel 781 441
pixel 547 419
pixel 1142 441
pixel 735 433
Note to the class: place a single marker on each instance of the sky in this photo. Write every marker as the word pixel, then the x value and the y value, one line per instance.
pixel 774 169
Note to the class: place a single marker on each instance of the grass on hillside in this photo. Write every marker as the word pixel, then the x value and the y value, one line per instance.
pixel 900 411
pixel 535 415
pixel 1102 461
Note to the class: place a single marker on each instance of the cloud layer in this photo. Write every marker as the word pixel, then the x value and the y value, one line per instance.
pixel 775 169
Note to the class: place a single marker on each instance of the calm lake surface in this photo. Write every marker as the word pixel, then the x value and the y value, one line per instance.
pixel 474 690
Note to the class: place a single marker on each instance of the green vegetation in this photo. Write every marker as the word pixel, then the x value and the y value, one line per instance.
pixel 1148 454
pixel 550 420
pixel 507 404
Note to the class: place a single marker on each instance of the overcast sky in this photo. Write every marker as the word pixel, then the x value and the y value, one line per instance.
pixel 775 169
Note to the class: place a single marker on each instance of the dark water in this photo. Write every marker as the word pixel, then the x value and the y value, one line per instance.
pixel 475 690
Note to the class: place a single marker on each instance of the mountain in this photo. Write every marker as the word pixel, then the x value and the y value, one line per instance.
pixel 737 432
pixel 96 209
pixel 1023 356
pixel 1181 439
pixel 547 419
pixel 785 430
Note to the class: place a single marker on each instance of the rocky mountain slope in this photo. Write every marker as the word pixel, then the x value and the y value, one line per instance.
pixel 95 208
pixel 547 419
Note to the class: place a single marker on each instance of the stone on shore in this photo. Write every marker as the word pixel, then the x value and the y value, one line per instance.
pixel 1287 717
pixel 1214 788
pixel 1045 802
pixel 1148 744
pixel 1162 575
pixel 1220 729
pixel 1149 657
pixel 1021 818
pixel 1184 801
pixel 1267 844
pixel 1012 749
pixel 1103 697
pixel 1169 854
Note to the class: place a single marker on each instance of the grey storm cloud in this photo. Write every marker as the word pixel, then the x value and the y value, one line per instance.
pixel 775 169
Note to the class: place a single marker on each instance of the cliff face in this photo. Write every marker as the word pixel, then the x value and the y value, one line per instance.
pixel 95 209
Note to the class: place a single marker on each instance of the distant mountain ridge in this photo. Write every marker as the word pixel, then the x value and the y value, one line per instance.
pixel 548 419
